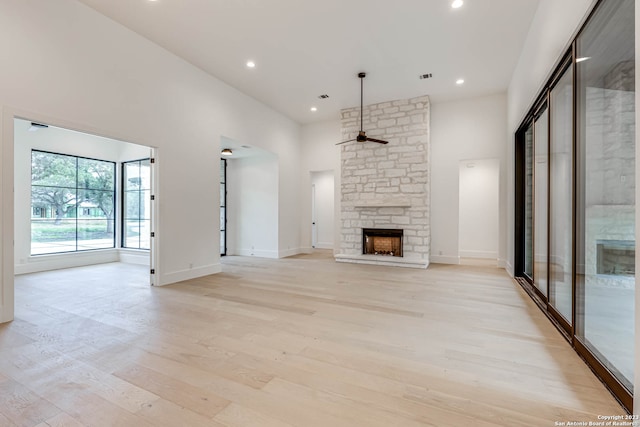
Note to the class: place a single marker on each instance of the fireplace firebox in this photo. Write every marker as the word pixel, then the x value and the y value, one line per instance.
pixel 616 257
pixel 381 241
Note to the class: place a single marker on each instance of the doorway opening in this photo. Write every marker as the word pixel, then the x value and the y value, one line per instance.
pixel 80 200
pixel 479 192
pixel 322 209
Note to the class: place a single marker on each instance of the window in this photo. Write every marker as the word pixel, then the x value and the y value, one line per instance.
pixel 136 204
pixel 63 188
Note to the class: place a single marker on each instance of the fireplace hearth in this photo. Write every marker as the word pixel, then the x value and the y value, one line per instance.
pixel 382 242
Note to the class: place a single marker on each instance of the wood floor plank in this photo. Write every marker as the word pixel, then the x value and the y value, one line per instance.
pixel 61 420
pixel 251 301
pixel 238 416
pixel 301 341
pixel 183 394
pixel 22 407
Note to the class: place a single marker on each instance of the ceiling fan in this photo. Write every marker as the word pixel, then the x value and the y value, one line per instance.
pixel 362 135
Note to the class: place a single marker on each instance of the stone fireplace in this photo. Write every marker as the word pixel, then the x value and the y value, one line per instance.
pixel 386 187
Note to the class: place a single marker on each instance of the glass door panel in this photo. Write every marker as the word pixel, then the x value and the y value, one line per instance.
pixel 605 276
pixel 540 202
pixel 528 202
pixel 561 196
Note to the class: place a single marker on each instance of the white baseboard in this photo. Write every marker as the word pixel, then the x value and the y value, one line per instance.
pixel 135 256
pixel 479 254
pixel 257 253
pixel 6 312
pixel 509 268
pixel 502 263
pixel 38 263
pixel 192 273
pixel 326 245
pixel 442 259
pixel 290 252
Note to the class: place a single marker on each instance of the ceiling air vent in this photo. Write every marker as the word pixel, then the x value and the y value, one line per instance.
pixel 425 76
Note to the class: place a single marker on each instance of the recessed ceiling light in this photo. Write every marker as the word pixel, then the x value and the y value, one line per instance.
pixel 584 58
pixel 457 4
pixel 314 109
pixel 251 64
pixel 459 81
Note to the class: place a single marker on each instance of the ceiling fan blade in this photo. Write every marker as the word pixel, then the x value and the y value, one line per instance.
pixel 344 142
pixel 379 141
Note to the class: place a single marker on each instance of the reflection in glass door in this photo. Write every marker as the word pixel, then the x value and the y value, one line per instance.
pixel 605 276
pixel 561 196
pixel 540 200
pixel 528 202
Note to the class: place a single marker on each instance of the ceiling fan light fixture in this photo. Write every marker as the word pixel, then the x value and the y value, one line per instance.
pixel 362 135
pixel 226 152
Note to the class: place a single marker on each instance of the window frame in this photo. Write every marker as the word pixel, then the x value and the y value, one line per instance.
pixel 77 189
pixel 123 205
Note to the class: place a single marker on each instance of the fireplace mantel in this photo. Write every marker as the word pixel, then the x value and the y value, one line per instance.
pixel 383 202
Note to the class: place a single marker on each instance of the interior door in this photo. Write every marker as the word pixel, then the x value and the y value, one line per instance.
pixel 314 226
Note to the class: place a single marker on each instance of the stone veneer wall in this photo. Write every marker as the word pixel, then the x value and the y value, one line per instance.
pixel 387 186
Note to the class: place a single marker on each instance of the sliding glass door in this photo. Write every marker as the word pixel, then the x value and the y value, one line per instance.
pixel 561 196
pixel 528 202
pixel 575 185
pixel 540 199
pixel 605 275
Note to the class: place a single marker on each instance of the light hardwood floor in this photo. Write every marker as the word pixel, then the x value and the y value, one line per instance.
pixel 302 341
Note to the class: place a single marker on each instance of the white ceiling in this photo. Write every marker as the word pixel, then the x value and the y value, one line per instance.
pixel 306 48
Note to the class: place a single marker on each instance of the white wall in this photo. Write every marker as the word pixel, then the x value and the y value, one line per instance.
pixel 319 153
pixel 65 64
pixel 65 142
pixel 479 208
pixel 549 36
pixel 467 129
pixel 325 208
pixel 252 206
